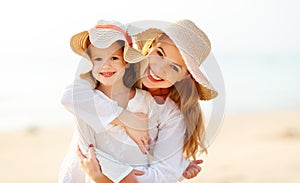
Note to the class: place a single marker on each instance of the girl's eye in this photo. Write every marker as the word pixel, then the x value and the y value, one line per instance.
pixel 98 59
pixel 114 58
pixel 174 68
pixel 159 53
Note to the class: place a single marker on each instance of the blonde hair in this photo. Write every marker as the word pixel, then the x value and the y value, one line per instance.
pixel 186 94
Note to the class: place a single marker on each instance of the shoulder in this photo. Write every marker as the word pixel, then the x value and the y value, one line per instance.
pixel 144 96
pixel 170 115
pixel 171 108
pixel 83 83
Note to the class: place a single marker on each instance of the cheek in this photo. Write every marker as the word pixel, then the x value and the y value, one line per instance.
pixel 97 67
pixel 96 70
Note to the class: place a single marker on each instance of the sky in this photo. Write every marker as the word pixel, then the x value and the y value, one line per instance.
pixel 243 25
pixel 37 61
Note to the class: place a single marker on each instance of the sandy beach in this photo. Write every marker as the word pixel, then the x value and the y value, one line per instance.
pixel 261 147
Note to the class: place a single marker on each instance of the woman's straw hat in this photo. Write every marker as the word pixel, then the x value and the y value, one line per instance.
pixel 192 43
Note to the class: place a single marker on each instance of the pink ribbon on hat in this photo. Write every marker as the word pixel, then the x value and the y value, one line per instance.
pixel 114 27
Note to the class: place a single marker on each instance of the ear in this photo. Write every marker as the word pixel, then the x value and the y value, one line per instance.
pixel 127 65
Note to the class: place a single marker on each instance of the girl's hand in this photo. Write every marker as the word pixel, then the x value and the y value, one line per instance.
pixel 91 166
pixel 192 170
pixel 140 136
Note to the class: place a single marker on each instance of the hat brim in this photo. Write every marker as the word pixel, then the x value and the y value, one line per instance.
pixel 80 42
pixel 208 91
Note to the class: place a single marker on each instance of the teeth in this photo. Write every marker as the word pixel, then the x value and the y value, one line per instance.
pixel 154 76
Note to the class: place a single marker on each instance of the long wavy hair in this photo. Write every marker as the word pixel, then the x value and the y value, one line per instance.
pixel 186 94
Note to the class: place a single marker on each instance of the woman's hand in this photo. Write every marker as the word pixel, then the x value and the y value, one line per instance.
pixel 130 178
pixel 192 170
pixel 140 136
pixel 91 166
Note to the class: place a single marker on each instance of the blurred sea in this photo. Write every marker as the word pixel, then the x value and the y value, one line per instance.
pixel 31 91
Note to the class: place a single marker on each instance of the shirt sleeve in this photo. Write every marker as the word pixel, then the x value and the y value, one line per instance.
pixel 90 105
pixel 168 162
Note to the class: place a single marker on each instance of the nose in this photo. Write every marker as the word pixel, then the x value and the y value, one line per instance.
pixel 158 65
pixel 107 63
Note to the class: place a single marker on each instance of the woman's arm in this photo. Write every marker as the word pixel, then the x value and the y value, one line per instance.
pixel 168 162
pixel 91 167
pixel 111 168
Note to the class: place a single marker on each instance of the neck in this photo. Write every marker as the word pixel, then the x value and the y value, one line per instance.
pixel 117 92
pixel 159 94
pixel 113 90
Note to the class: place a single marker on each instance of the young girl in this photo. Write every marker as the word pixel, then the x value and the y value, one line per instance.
pixel 118 153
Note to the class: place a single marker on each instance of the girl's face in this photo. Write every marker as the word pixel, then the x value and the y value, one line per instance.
pixel 166 65
pixel 108 64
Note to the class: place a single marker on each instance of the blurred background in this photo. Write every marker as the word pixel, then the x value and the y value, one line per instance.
pixel 256 44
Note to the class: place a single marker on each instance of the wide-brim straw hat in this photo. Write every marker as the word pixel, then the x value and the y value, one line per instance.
pixel 103 35
pixel 192 43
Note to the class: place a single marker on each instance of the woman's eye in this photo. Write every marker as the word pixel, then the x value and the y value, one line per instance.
pixel 159 53
pixel 174 68
pixel 98 59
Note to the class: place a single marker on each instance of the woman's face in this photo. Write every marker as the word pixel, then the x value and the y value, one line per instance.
pixel 166 65
pixel 108 64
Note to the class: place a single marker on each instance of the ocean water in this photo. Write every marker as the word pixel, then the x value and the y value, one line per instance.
pixel 30 93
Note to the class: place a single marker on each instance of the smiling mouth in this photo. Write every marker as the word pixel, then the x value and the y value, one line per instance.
pixel 153 77
pixel 107 74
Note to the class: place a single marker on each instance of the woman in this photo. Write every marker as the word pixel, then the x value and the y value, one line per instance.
pixel 175 54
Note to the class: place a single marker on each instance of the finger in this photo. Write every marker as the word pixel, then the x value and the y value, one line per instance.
pixel 195 166
pixel 145 142
pixel 199 161
pixel 198 168
pixel 188 175
pixel 138 172
pixel 194 172
pixel 91 151
pixel 79 154
pixel 141 146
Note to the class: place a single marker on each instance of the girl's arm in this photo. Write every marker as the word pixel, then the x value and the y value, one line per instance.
pixel 96 109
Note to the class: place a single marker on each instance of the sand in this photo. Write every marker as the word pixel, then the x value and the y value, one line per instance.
pixel 261 147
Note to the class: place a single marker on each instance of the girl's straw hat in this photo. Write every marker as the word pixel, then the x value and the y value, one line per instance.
pixel 103 35
pixel 192 43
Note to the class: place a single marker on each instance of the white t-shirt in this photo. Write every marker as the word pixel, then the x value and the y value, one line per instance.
pixel 115 150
